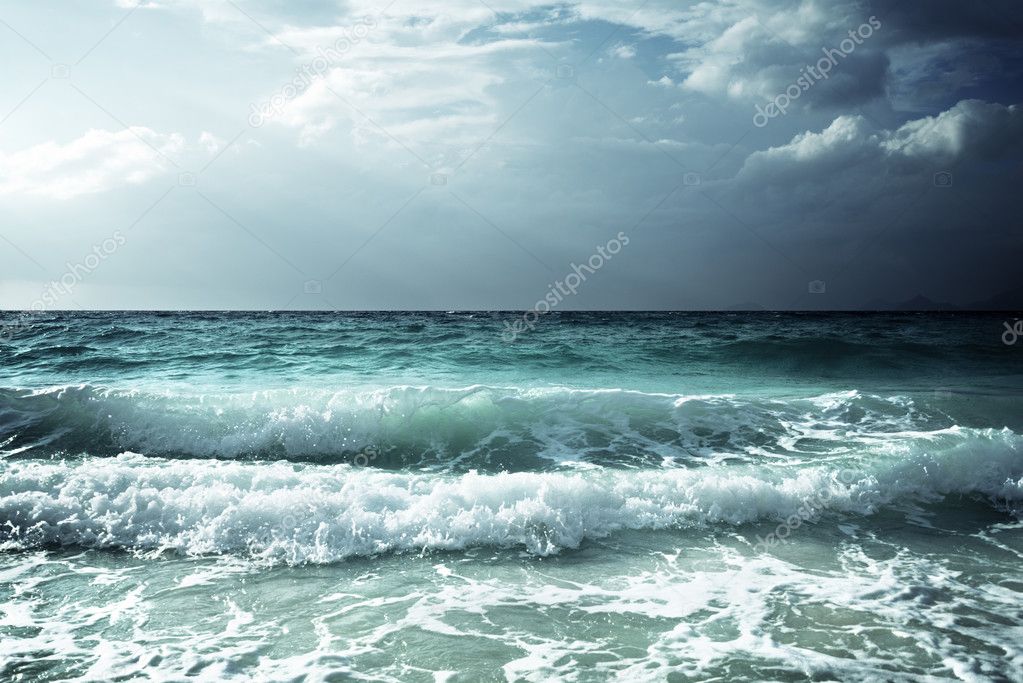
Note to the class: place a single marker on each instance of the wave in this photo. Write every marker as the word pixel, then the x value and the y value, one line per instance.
pixel 299 513
pixel 482 427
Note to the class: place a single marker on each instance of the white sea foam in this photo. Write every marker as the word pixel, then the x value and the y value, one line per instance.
pixel 324 513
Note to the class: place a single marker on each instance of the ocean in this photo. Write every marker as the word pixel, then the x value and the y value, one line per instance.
pixel 411 497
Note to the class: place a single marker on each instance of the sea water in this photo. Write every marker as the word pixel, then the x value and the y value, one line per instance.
pixel 413 497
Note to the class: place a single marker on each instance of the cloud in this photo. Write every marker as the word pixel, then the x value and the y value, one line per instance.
pixel 624 51
pixel 440 74
pixel 97 161
pixel 970 130
pixel 663 82
pixel 754 49
pixel 416 78
pixel 652 94
pixel 210 142
pixel 757 54
pixel 938 20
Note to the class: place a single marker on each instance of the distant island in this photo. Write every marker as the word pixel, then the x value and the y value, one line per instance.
pixel 1008 300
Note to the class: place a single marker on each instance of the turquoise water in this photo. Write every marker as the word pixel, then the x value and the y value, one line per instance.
pixel 409 497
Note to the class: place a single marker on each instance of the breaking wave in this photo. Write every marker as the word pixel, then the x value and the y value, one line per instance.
pixel 298 513
pixel 476 427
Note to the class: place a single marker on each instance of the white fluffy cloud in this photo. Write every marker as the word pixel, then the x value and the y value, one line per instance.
pixel 971 129
pixel 99 160
pixel 756 50
pixel 624 51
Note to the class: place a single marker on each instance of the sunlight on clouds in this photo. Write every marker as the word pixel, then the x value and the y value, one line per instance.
pixel 971 129
pixel 210 142
pixel 624 51
pixel 97 161
pixel 979 128
pixel 413 76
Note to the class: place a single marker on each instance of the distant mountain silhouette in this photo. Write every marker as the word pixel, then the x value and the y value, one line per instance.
pixel 1009 300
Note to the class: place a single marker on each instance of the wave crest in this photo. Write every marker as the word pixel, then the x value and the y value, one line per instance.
pixel 324 513
pixel 482 427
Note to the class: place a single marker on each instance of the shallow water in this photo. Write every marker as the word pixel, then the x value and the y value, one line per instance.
pixel 312 496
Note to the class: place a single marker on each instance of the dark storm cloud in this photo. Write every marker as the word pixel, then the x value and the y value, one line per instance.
pixel 863 77
pixel 763 48
pixel 925 21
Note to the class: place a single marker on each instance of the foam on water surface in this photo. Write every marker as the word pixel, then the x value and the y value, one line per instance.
pixel 404 497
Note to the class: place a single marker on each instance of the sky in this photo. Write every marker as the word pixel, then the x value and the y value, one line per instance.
pixel 471 154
